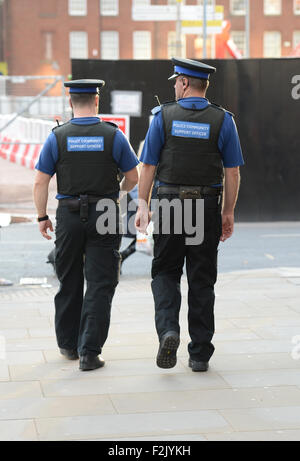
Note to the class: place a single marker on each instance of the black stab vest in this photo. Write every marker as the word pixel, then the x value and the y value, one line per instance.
pixel 190 158
pixel 85 162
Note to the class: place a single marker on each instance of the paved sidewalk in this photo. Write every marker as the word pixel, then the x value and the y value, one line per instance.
pixel 251 392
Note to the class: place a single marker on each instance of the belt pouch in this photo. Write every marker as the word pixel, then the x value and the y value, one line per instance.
pixel 84 208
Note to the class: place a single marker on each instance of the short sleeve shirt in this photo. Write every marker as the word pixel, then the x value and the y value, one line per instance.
pixel 123 153
pixel 228 143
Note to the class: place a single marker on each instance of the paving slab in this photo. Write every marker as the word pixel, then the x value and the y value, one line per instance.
pixel 69 370
pixel 163 382
pixel 13 390
pixel 251 391
pixel 210 399
pixel 35 408
pixel 254 378
pixel 262 436
pixel 18 430
pixel 263 418
pixel 247 362
pixel 152 424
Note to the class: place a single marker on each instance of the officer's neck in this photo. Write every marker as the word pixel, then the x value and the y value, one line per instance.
pixel 84 112
pixel 192 93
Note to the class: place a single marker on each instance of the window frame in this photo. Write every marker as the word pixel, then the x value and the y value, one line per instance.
pixel 272 32
pixel 239 12
pixel 294 41
pixel 86 43
pixel 272 14
pixel 113 12
pixel 117 34
pixel 77 12
pixel 135 32
pixel 241 32
pixel 296 11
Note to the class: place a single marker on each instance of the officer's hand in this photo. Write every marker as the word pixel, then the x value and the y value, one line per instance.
pixel 142 219
pixel 227 226
pixel 44 226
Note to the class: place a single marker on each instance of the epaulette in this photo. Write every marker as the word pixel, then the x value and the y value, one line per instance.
pixel 155 110
pixel 221 108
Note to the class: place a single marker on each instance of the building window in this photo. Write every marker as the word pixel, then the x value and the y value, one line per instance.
pixel 208 2
pixel 141 3
pixel 297 6
pixel 272 7
pixel 172 48
pixel 296 39
pixel 238 7
pixel 109 7
pixel 77 7
pixel 48 46
pixel 141 44
pixel 109 44
pixel 272 44
pixel 78 45
pixel 239 38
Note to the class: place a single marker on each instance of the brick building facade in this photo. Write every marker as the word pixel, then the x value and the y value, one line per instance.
pixel 40 37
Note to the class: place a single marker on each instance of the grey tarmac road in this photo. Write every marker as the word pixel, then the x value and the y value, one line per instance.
pixel 23 251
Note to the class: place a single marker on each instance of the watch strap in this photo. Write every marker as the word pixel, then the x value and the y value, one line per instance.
pixel 44 218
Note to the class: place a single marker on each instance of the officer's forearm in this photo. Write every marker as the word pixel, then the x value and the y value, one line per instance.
pixel 145 183
pixel 40 195
pixel 231 189
pixel 127 185
pixel 130 180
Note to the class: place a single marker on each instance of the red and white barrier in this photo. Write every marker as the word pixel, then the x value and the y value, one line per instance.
pixel 24 154
pixel 22 141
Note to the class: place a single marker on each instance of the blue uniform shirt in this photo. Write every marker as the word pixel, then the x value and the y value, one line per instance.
pixel 123 153
pixel 228 143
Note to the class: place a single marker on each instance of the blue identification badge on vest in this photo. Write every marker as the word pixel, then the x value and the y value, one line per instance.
pixel 190 129
pixel 86 143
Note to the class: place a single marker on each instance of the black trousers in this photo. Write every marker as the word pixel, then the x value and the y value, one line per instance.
pixel 170 253
pixel 82 319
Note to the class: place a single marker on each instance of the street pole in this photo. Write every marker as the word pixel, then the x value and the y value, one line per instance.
pixel 213 37
pixel 178 30
pixel 204 29
pixel 247 27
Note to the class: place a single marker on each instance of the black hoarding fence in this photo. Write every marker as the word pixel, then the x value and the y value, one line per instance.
pixel 264 95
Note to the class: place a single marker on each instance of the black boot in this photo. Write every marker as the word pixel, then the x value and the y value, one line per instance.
pixel 70 354
pixel 166 357
pixel 90 362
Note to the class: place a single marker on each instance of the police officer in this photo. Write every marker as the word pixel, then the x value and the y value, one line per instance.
pixel 190 142
pixel 86 154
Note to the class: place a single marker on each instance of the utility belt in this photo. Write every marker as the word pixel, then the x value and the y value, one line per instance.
pixel 190 192
pixel 81 204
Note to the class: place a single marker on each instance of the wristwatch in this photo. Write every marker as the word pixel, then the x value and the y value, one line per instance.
pixel 44 218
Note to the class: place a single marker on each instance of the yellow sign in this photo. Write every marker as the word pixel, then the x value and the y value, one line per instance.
pixel 212 23
pixel 3 68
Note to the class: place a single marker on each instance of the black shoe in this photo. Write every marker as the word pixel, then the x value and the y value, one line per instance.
pixel 90 362
pixel 166 357
pixel 198 366
pixel 70 354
